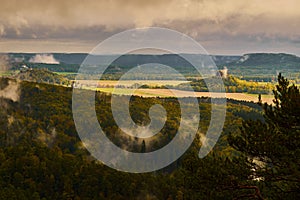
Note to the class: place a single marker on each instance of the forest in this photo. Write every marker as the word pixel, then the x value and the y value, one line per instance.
pixel 42 156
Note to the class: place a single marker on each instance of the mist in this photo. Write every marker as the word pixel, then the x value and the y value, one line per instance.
pixel 11 91
pixel 44 58
pixel 4 62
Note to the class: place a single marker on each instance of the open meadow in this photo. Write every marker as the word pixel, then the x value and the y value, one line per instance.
pixel 180 93
pixel 129 83
pixel 126 87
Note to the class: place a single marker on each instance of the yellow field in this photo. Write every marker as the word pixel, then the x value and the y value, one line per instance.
pixel 180 93
pixel 129 83
pixel 127 89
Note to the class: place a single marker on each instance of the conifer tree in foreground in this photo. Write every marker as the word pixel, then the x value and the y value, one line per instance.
pixel 273 145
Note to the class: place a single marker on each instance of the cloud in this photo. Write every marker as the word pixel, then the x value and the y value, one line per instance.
pixel 44 58
pixel 214 20
pixel 120 14
pixel 2 31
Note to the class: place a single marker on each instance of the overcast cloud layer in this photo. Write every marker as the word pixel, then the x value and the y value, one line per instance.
pixel 221 26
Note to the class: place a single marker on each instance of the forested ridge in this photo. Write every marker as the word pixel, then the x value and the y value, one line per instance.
pixel 42 156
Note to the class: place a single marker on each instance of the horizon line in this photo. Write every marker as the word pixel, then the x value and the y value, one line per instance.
pixel 259 52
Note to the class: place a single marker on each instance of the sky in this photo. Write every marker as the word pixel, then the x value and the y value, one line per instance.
pixel 227 27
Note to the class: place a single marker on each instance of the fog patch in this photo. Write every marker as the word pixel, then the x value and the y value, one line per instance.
pixel 11 91
pixel 4 66
pixel 44 58
pixel 47 138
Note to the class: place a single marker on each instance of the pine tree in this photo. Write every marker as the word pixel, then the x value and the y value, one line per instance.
pixel 273 145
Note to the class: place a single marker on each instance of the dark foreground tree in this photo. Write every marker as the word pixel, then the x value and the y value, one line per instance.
pixel 273 145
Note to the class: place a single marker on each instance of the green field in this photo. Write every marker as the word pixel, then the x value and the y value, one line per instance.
pixel 8 72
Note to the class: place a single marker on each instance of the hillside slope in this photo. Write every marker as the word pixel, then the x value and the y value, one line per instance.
pixel 41 76
pixel 266 66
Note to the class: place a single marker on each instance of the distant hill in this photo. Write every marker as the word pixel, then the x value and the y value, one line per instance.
pixel 130 59
pixel 70 62
pixel 254 66
pixel 67 58
pixel 267 59
pixel 265 66
pixel 224 60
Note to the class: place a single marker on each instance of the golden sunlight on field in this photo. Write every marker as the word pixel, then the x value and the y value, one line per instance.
pixel 127 87
pixel 129 83
pixel 181 93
